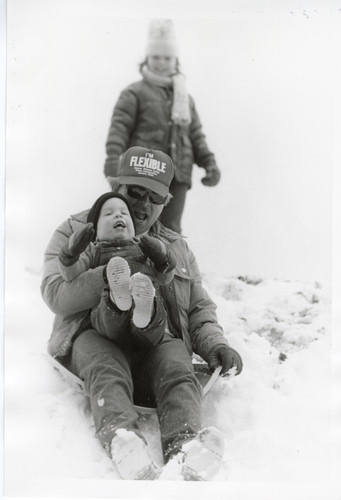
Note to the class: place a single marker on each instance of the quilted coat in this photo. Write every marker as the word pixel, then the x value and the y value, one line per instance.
pixel 191 312
pixel 142 117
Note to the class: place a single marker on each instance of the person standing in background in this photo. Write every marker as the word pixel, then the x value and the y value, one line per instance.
pixel 157 112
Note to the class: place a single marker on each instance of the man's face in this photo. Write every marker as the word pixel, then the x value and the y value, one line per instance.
pixel 145 212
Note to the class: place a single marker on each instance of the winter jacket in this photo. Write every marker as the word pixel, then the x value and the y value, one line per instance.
pixel 191 312
pixel 142 117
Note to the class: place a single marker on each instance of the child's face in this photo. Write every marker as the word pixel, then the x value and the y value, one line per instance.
pixel 162 64
pixel 114 221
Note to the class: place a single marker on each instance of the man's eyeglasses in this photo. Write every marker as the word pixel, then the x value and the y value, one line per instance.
pixel 139 193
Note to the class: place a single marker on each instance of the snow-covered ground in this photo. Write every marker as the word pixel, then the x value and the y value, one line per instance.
pixel 275 416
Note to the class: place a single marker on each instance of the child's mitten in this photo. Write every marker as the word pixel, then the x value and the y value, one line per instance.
pixel 77 243
pixel 212 176
pixel 158 253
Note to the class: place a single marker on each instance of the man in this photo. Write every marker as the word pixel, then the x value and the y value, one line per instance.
pixel 114 376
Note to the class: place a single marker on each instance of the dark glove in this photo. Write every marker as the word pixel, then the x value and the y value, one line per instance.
pixel 158 253
pixel 224 355
pixel 212 176
pixel 77 243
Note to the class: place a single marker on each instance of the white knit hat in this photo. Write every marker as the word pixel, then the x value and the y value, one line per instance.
pixel 161 38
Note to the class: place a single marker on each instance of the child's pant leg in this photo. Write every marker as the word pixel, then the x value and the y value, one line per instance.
pixel 109 321
pixel 117 325
pixel 152 334
pixel 172 213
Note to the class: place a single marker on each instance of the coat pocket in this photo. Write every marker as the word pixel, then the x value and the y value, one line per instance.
pixel 183 283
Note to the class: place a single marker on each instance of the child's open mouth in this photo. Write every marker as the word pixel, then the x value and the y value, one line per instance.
pixel 119 224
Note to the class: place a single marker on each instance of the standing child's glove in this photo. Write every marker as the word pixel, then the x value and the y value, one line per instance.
pixel 212 176
pixel 77 243
pixel 224 355
pixel 158 253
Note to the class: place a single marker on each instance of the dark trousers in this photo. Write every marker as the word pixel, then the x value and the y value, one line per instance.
pixel 172 213
pixel 113 376
pixel 118 326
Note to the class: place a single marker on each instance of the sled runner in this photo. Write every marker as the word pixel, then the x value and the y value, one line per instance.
pixel 203 374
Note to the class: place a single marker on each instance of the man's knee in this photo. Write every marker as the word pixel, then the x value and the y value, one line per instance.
pixel 172 363
pixel 178 368
pixel 93 352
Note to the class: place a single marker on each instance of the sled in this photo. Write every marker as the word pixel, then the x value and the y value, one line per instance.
pixel 202 372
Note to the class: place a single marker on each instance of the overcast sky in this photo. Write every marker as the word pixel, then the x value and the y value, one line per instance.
pixel 264 79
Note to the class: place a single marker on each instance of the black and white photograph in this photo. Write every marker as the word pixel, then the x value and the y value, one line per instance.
pixel 171 216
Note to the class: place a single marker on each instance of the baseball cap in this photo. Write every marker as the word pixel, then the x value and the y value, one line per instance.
pixel 149 168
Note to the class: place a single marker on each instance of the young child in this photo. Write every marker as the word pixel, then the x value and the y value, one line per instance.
pixel 130 311
pixel 157 112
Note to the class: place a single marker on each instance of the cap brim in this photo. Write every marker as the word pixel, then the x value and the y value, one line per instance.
pixel 155 186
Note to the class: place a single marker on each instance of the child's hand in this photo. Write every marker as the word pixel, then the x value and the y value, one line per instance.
pixel 77 243
pixel 157 252
pixel 212 176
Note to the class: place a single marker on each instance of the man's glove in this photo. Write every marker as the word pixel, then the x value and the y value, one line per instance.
pixel 158 253
pixel 212 176
pixel 77 243
pixel 224 355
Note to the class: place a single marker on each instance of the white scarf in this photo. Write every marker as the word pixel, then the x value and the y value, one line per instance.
pixel 181 114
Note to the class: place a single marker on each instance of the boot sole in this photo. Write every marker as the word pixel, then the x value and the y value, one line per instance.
pixel 143 293
pixel 118 274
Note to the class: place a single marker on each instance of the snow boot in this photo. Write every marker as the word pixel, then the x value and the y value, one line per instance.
pixel 143 293
pixel 203 455
pixel 118 274
pixel 131 457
